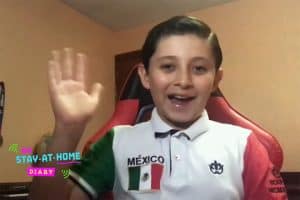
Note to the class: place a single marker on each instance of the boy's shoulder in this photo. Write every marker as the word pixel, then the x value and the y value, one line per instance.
pixel 125 135
pixel 132 130
pixel 228 130
pixel 226 126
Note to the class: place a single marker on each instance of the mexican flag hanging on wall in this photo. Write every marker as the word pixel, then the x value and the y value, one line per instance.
pixel 145 177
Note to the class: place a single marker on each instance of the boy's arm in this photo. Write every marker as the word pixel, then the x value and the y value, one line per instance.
pixel 93 176
pixel 77 193
pixel 73 106
pixel 72 192
pixel 55 187
pixel 261 179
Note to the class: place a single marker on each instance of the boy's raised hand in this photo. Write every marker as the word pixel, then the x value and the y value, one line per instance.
pixel 72 104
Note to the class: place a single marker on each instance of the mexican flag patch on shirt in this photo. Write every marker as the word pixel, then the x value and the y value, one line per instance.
pixel 145 177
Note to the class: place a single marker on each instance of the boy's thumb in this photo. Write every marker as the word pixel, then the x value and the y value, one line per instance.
pixel 96 91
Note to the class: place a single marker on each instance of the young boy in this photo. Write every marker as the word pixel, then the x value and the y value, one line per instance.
pixel 179 153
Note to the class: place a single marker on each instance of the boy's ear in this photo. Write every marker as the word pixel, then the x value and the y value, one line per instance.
pixel 218 78
pixel 143 74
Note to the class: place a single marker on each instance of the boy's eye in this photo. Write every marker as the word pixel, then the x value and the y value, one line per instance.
pixel 167 67
pixel 199 69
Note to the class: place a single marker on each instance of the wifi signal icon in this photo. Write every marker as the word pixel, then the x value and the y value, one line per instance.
pixel 65 173
pixel 14 148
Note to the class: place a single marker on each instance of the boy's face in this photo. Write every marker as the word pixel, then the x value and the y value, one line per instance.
pixel 181 77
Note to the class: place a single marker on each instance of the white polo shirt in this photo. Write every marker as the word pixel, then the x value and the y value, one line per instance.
pixel 205 161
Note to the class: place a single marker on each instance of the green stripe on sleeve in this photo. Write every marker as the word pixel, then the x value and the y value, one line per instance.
pixel 97 167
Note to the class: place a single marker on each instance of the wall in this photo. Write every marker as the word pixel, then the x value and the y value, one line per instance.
pixel 260 41
pixel 29 31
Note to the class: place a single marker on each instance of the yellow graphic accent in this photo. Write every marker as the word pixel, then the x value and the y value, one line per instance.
pixel 65 173
pixel 14 148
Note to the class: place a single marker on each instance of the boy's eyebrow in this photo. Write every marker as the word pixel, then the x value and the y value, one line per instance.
pixel 200 59
pixel 166 57
pixel 175 58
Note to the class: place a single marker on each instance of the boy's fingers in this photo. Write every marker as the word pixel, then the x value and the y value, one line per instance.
pixel 51 76
pixel 81 68
pixel 56 56
pixel 56 66
pixel 68 64
pixel 58 73
pixel 96 91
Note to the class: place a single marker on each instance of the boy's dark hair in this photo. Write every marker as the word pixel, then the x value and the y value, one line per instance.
pixel 180 25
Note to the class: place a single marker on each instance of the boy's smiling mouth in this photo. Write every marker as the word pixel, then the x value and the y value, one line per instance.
pixel 180 100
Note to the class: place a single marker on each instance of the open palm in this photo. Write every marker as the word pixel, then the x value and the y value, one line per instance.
pixel 71 102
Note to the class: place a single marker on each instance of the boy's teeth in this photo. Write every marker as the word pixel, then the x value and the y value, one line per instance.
pixel 179 97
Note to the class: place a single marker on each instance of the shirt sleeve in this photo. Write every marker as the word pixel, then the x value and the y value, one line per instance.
pixel 96 172
pixel 261 179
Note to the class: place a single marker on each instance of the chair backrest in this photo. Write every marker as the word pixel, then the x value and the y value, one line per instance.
pixel 135 105
pixel 220 110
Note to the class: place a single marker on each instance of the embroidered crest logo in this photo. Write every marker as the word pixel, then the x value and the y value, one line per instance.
pixel 216 168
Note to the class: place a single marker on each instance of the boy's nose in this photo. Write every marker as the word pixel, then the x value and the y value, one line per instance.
pixel 183 79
